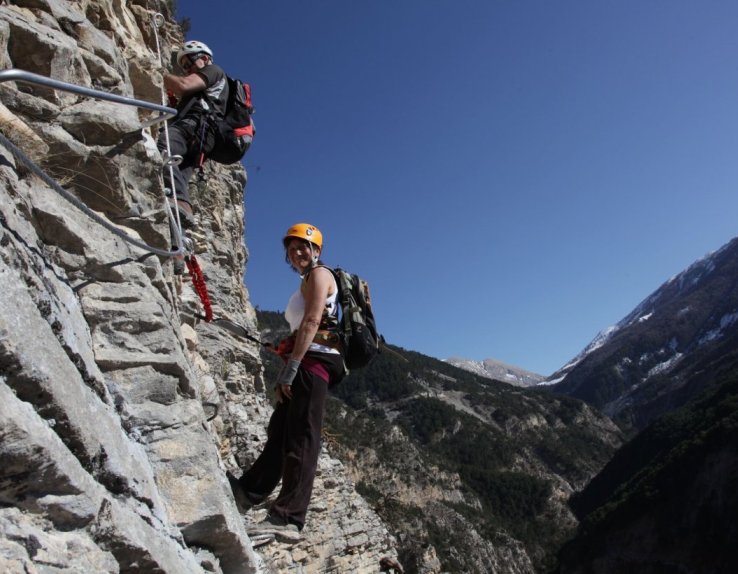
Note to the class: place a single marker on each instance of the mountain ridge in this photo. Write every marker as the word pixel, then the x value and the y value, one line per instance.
pixel 642 367
pixel 498 370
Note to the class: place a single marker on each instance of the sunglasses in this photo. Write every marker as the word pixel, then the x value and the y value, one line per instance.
pixel 189 63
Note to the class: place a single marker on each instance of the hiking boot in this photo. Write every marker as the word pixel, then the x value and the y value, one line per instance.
pixel 239 495
pixel 275 526
pixel 257 541
pixel 186 218
pixel 244 501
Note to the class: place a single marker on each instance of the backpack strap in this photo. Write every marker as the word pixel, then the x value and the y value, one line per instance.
pixel 307 273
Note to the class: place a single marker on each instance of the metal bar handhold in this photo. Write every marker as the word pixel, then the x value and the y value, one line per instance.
pixel 14 74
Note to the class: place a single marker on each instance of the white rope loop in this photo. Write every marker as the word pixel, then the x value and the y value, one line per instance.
pixel 157 20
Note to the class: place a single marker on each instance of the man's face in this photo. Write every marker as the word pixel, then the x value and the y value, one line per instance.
pixel 192 62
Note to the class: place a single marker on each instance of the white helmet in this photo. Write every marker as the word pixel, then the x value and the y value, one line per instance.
pixel 194 47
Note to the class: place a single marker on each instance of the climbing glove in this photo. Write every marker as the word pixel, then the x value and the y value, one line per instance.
pixel 288 372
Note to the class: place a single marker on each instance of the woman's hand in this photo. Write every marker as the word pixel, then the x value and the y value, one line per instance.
pixel 284 392
pixel 286 376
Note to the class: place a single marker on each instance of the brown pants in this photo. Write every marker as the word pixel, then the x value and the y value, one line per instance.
pixel 293 444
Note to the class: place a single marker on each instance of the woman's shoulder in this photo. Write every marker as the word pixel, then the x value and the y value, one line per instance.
pixel 320 270
pixel 319 274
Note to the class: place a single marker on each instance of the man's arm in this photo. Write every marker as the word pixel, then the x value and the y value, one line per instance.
pixel 182 86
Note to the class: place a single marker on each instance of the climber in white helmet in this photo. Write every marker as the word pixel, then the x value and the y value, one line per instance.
pixel 200 92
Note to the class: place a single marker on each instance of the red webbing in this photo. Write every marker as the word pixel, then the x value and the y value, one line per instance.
pixel 198 281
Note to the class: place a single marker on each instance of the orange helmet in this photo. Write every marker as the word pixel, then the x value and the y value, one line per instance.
pixel 304 231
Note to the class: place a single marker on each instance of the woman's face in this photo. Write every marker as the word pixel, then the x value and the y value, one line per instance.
pixel 300 254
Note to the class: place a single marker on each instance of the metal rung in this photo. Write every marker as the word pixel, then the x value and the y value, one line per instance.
pixel 14 74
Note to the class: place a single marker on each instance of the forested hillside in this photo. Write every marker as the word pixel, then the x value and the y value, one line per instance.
pixel 473 471
pixel 668 497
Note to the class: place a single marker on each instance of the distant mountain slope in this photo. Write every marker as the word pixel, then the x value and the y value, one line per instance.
pixel 663 353
pixel 470 474
pixel 499 371
pixel 667 501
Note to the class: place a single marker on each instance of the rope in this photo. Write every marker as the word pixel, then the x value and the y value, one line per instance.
pixel 198 282
pixel 157 20
pixel 36 170
pixel 235 329
pixel 198 278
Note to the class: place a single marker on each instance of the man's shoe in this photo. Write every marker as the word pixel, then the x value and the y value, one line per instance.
pixel 274 526
pixel 186 217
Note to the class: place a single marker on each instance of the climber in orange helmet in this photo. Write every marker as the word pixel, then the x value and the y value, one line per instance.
pixel 313 361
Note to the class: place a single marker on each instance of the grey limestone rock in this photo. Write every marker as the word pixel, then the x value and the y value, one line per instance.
pixel 109 461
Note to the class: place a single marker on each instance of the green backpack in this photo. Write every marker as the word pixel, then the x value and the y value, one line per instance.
pixel 356 327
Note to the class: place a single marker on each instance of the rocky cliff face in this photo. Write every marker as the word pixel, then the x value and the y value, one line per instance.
pixel 120 410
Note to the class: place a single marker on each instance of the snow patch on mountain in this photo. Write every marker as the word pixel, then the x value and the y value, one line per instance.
pixel 663 367
pixel 713 334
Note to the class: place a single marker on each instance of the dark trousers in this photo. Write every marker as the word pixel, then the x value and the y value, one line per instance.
pixel 293 445
pixel 185 136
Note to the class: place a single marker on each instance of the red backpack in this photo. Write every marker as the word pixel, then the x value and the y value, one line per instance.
pixel 235 130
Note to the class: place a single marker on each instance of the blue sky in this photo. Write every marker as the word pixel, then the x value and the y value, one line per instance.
pixel 511 177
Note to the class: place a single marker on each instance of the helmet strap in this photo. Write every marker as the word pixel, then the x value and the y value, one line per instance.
pixel 314 256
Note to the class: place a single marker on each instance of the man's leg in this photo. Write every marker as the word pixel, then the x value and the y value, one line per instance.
pixel 181 138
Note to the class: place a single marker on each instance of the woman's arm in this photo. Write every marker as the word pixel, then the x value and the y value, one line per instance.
pixel 317 288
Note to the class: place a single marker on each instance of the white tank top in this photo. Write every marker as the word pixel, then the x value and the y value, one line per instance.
pixel 296 311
